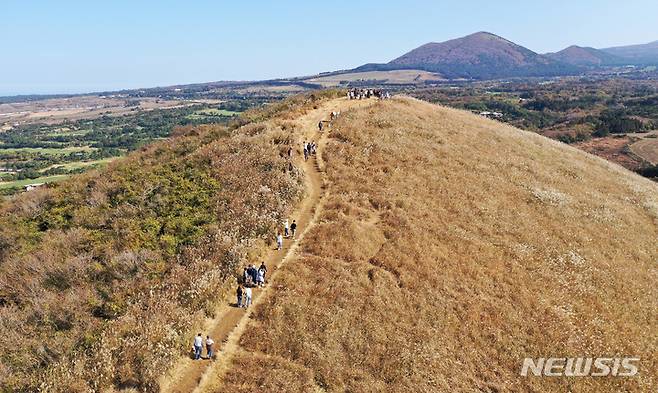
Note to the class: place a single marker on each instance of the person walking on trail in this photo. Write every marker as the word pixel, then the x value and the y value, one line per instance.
pixel 279 241
pixel 320 125
pixel 264 269
pixel 198 346
pixel 305 152
pixel 260 278
pixel 209 347
pixel 238 292
pixel 247 297
pixel 252 273
pixel 290 152
pixel 286 228
pixel 293 228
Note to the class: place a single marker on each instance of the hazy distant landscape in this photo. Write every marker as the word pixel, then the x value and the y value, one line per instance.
pixel 605 103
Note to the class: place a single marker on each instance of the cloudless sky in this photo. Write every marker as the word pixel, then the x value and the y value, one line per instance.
pixel 66 46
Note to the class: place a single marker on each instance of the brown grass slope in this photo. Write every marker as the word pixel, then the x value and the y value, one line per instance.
pixel 449 248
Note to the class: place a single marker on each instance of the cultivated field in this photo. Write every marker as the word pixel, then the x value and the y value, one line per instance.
pixel 647 148
pixel 381 77
pixel 56 110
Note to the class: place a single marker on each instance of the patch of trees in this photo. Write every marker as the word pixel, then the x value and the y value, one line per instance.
pixel 616 121
pixel 561 104
pixel 649 171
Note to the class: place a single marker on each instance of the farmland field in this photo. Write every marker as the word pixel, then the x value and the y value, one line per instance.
pixel 25 182
pixel 647 149
pixel 45 153
pixel 44 140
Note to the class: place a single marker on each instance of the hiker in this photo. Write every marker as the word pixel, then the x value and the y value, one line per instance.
pixel 263 268
pixel 198 345
pixel 293 228
pixel 252 274
pixel 245 275
pixel 209 345
pixel 239 294
pixel 286 228
pixel 290 152
pixel 305 152
pixel 260 277
pixel 279 240
pixel 320 125
pixel 247 297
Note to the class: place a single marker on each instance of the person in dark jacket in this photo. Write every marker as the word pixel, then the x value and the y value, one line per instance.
pixel 239 294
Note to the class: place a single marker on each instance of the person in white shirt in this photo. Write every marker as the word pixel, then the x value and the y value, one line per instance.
pixel 279 241
pixel 209 346
pixel 286 228
pixel 198 346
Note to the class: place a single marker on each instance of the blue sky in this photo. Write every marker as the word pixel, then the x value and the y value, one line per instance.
pixel 79 46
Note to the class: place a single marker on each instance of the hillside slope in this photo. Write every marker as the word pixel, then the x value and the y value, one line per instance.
pixel 585 56
pixel 105 278
pixel 636 54
pixel 449 248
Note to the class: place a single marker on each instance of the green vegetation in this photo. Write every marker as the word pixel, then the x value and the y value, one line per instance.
pixel 588 107
pixel 36 152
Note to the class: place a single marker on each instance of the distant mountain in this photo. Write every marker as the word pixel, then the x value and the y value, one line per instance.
pixel 585 56
pixel 479 56
pixel 636 54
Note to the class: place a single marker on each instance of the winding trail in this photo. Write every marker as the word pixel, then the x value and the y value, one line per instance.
pixel 231 322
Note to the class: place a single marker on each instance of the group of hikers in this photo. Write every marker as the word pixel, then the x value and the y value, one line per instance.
pixel 310 148
pixel 253 276
pixel 362 94
pixel 198 347
pixel 332 116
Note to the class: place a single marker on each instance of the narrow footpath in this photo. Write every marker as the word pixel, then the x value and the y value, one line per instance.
pixel 230 323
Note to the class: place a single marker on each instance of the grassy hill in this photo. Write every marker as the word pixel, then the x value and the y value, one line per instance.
pixel 103 277
pixel 448 249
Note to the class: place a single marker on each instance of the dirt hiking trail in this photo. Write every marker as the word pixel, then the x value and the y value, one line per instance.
pixel 230 323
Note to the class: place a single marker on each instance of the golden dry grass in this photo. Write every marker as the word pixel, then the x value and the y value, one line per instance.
pixel 449 248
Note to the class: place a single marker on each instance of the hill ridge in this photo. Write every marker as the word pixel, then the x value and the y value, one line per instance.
pixel 450 236
pixel 480 55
